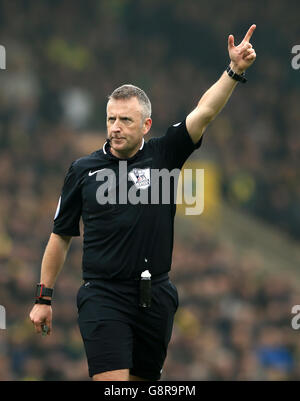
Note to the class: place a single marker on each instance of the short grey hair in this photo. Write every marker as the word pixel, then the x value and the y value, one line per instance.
pixel 128 91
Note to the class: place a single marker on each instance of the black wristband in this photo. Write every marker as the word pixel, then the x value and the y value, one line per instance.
pixel 42 301
pixel 235 76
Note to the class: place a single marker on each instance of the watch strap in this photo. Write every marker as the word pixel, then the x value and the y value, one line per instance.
pixel 235 76
pixel 42 301
pixel 42 291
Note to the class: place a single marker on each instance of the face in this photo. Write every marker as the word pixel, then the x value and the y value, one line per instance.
pixel 126 126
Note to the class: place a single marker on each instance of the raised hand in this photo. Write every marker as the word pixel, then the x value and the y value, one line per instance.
pixel 243 55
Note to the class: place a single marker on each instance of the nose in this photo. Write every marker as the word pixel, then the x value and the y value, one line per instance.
pixel 116 126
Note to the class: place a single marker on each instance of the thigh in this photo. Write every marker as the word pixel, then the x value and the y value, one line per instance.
pixel 152 332
pixel 105 330
pixel 108 345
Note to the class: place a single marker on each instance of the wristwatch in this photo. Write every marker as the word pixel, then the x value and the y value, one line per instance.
pixel 235 76
pixel 42 291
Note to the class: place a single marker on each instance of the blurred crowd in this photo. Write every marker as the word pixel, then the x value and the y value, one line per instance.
pixel 63 59
pixel 234 322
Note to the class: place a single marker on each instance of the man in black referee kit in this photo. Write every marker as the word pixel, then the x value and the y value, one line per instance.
pixel 127 303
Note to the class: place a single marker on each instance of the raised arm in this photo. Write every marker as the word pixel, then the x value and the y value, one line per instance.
pixel 215 98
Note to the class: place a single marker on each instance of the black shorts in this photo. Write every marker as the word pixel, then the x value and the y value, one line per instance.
pixel 118 333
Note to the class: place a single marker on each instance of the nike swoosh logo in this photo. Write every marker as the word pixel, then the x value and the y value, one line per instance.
pixel 94 172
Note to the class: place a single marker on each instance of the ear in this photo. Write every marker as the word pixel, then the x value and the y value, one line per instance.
pixel 147 125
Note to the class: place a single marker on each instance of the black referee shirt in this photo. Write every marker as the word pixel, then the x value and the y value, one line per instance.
pixel 122 240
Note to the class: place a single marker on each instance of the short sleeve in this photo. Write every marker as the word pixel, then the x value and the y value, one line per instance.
pixel 176 145
pixel 68 212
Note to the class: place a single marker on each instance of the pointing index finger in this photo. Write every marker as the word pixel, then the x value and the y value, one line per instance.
pixel 249 33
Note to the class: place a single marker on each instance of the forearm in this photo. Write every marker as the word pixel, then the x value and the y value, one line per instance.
pixel 209 106
pixel 216 97
pixel 54 258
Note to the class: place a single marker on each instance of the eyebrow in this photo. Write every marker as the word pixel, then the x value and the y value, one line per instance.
pixel 121 117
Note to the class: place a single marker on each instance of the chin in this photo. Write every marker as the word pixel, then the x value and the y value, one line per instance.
pixel 119 147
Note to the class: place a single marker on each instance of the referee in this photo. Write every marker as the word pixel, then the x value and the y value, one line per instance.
pixel 127 303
